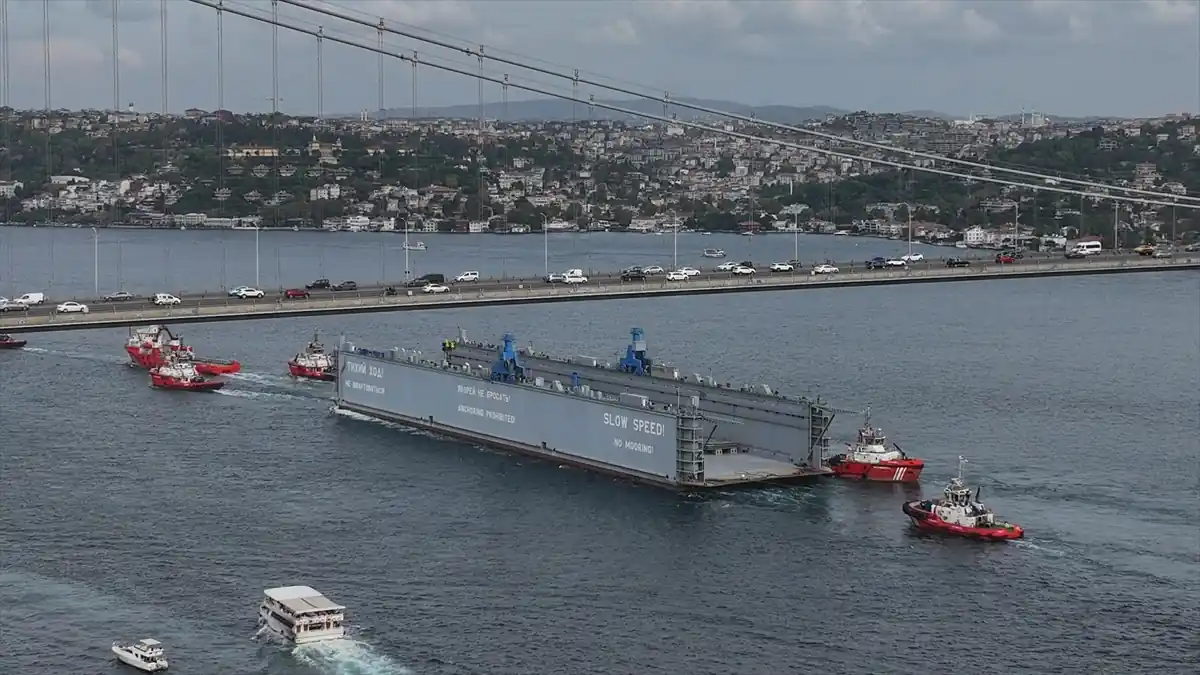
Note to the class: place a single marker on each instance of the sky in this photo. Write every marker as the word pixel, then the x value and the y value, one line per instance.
pixel 1060 57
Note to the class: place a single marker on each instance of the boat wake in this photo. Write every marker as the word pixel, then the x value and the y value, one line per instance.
pixel 83 356
pixel 260 395
pixel 347 657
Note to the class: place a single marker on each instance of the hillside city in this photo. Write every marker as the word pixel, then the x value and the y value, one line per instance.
pixel 218 169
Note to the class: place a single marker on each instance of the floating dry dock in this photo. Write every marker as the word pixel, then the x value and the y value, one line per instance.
pixel 633 418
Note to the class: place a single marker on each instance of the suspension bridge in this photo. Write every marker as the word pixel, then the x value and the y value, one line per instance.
pixel 427 55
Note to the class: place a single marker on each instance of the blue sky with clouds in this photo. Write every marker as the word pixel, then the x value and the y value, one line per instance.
pixel 1067 57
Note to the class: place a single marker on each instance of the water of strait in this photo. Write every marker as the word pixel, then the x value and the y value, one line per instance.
pixel 127 512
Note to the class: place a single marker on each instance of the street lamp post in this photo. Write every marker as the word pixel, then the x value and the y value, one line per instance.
pixel 675 223
pixel 546 244
pixel 96 262
pixel 256 259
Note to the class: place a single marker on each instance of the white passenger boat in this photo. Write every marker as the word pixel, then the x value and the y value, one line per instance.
pixel 301 615
pixel 714 253
pixel 145 655
pixel 419 246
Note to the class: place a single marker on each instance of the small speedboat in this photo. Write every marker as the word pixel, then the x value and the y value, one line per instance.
pixel 419 246
pixel 713 252
pixel 145 655
pixel 8 342
pixel 313 363
pixel 182 376
pixel 958 514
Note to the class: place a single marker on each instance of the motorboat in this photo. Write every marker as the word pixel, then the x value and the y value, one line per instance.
pixel 958 514
pixel 714 253
pixel 8 342
pixel 314 363
pixel 154 346
pixel 300 615
pixel 145 655
pixel 870 458
pixel 183 376
pixel 419 246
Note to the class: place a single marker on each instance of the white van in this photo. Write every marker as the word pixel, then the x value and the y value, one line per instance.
pixel 165 299
pixel 1087 247
pixel 467 277
pixel 31 299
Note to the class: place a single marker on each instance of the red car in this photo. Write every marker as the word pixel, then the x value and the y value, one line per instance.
pixel 1005 259
pixel 292 293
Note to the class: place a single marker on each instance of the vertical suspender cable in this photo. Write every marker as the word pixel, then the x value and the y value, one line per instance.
pixel 46 84
pixel 504 97
pixel 379 117
pixel 275 106
pixel 320 77
pixel 165 121
pixel 5 105
pixel 115 129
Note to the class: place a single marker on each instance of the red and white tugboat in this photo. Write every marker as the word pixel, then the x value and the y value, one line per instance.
pixel 179 374
pixel 155 346
pixel 313 363
pixel 7 342
pixel 958 514
pixel 869 458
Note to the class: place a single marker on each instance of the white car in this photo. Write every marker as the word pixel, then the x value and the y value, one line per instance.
pixel 467 277
pixel 727 266
pixel 247 292
pixel 913 257
pixel 72 307
pixel 676 275
pixel 742 270
pixel 435 288
pixel 782 267
pixel 166 299
pixel 689 271
pixel 652 269
pixel 896 262
pixel 825 269
pixel 574 279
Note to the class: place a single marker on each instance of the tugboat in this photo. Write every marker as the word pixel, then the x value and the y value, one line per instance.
pixel 7 342
pixel 870 459
pixel 154 346
pixel 183 376
pixel 145 655
pixel 313 363
pixel 958 514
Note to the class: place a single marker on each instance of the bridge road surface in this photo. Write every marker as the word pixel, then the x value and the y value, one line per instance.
pixel 115 315
pixel 373 291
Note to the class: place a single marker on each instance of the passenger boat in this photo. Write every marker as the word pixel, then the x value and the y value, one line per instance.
pixel 869 458
pixel 419 246
pixel 145 655
pixel 8 342
pixel 958 514
pixel 314 363
pixel 301 615
pixel 713 252
pixel 154 346
pixel 183 376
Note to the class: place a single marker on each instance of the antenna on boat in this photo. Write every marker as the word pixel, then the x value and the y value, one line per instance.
pixel 961 462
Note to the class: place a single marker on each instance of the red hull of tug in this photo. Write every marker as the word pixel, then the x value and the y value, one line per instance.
pixel 303 372
pixel 166 382
pixel 153 358
pixel 12 344
pixel 892 471
pixel 928 522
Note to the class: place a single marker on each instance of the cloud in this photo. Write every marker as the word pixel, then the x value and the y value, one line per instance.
pixel 1173 11
pixel 71 54
pixel 620 32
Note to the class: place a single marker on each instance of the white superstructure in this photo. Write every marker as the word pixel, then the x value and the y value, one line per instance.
pixel 145 655
pixel 301 615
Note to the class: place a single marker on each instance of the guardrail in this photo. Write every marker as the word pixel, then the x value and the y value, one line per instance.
pixel 226 309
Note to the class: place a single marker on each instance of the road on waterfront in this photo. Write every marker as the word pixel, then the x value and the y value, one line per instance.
pixel 375 291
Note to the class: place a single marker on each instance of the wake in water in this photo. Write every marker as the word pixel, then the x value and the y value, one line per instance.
pixel 83 356
pixel 347 657
pixel 260 395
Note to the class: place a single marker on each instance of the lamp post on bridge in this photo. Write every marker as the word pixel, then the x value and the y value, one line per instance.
pixel 96 262
pixel 256 259
pixel 546 244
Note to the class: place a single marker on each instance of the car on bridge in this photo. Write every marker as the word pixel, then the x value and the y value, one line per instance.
pixel 676 275
pixel 727 266
pixel 166 299
pixel 783 267
pixel 435 288
pixel 1005 259
pixel 913 257
pixel 825 269
pixel 877 263
pixel 244 292
pixel 345 286
pixel 653 269
pixel 957 262
pixel 72 307
pixel 119 296
pixel 467 277
pixel 743 270
pixel 7 305
pixel 318 285
pixel 296 294
pixel 633 275
pixel 689 271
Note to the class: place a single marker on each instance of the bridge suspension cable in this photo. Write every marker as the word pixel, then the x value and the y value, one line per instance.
pixel 576 80
pixel 543 91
